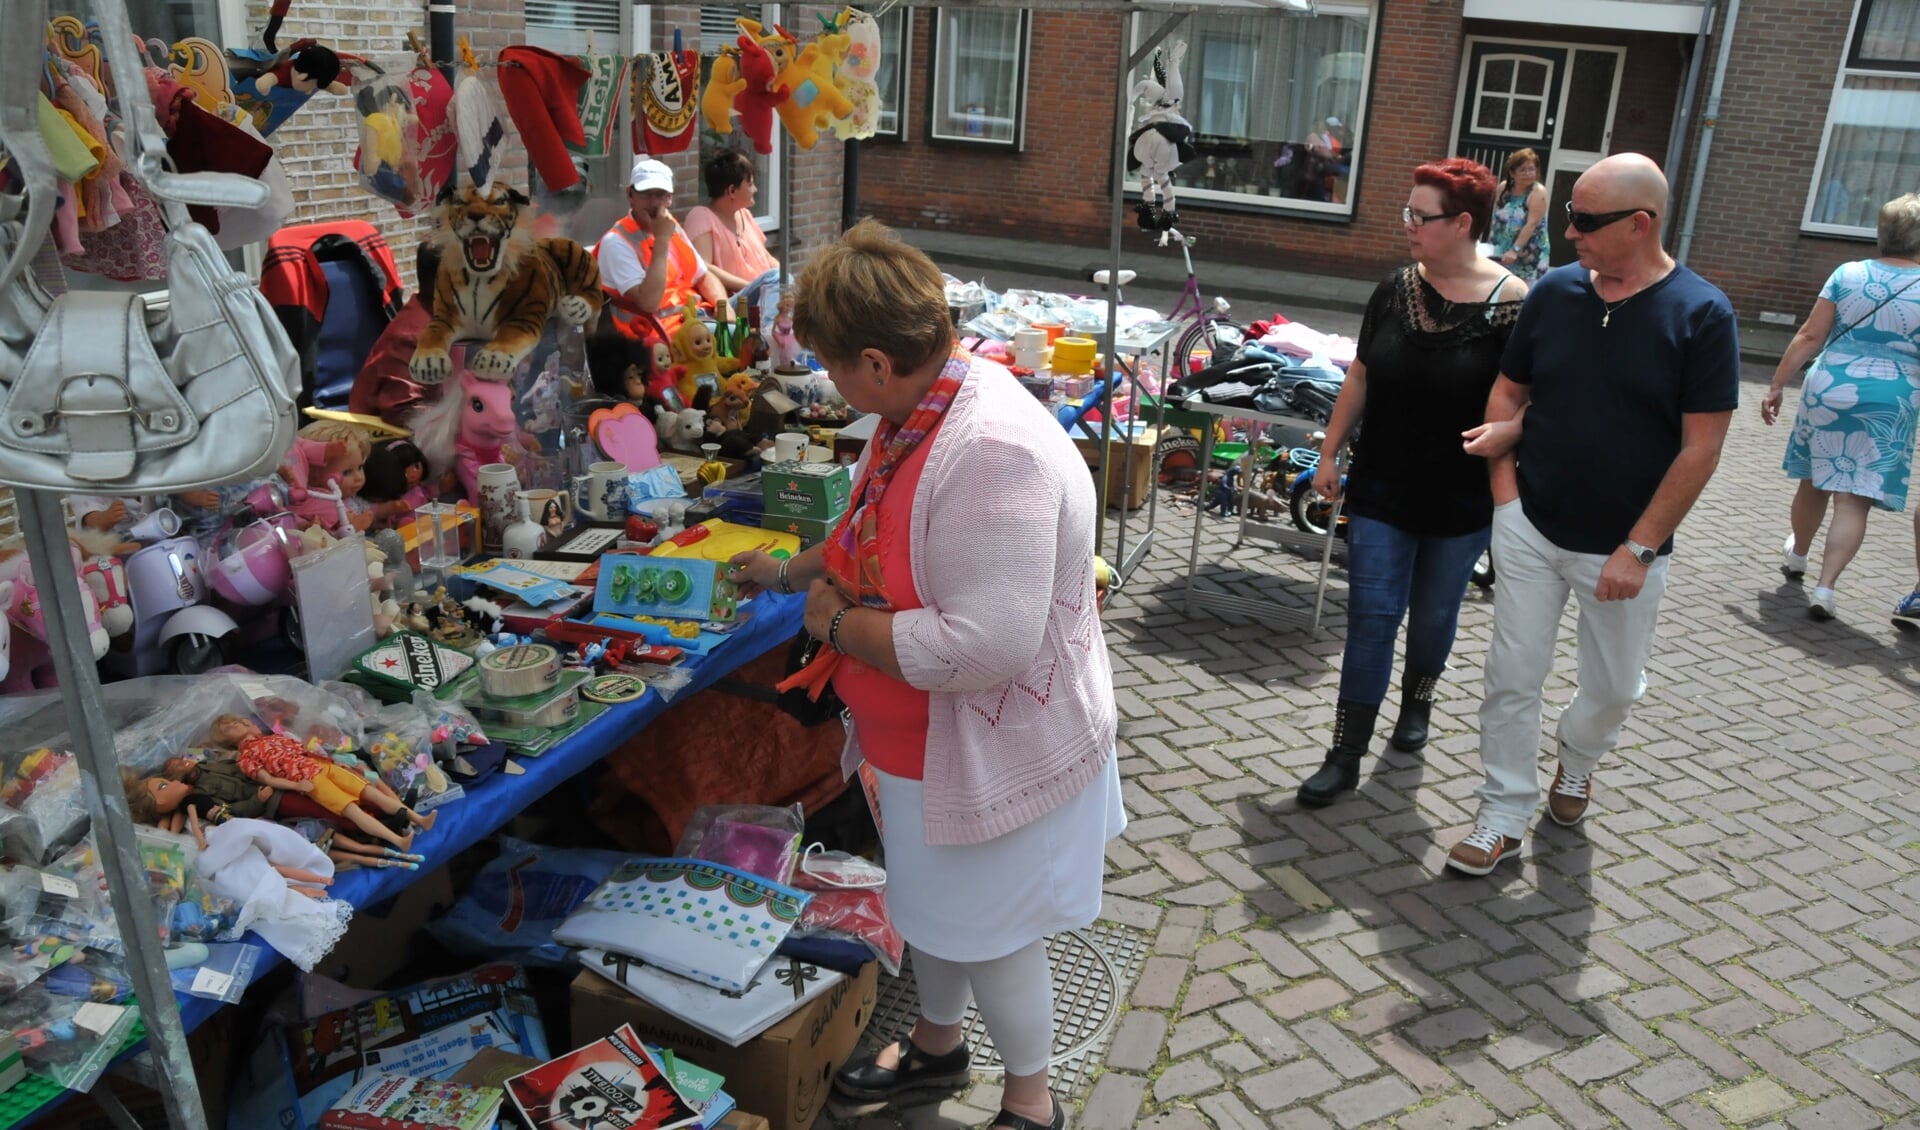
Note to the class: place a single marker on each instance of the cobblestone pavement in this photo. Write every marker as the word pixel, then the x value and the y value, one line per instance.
pixel 1731 938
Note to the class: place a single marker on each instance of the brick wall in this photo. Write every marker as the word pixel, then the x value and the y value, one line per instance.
pixel 1747 238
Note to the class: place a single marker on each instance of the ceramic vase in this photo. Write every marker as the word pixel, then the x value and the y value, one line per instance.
pixel 499 486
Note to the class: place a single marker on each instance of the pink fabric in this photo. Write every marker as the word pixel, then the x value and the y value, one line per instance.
pixel 1020 714
pixel 892 716
pixel 1299 340
pixel 738 249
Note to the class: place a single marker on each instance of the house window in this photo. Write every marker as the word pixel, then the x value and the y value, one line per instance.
pixel 1870 152
pixel 1513 96
pixel 979 76
pixel 896 41
pixel 719 31
pixel 1276 105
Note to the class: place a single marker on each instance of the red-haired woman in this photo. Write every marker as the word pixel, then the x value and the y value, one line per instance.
pixel 1417 497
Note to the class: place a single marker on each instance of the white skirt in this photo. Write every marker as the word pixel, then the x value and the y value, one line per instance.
pixel 978 902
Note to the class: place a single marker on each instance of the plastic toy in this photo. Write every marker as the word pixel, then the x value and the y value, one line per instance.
pixel 28 660
pixel 695 349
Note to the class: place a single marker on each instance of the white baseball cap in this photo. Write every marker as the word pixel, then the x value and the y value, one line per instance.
pixel 649 174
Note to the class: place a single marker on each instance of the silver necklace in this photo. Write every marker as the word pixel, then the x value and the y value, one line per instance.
pixel 1607 308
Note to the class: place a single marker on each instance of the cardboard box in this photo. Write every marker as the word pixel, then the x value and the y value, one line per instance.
pixel 1132 483
pixel 376 944
pixel 786 1072
pixel 810 531
pixel 805 490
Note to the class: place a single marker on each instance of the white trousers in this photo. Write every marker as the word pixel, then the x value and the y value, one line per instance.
pixel 1015 995
pixel 1615 639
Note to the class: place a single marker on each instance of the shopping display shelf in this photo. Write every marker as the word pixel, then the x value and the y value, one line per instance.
pixel 486 808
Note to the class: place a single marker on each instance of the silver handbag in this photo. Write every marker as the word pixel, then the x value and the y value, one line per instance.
pixel 102 393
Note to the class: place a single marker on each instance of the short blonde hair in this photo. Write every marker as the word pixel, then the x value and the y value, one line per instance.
pixel 871 290
pixel 1900 226
pixel 331 431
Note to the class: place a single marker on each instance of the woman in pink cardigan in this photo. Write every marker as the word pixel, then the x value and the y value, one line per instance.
pixel 956 603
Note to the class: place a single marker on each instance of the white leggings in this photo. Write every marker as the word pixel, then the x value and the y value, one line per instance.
pixel 1015 995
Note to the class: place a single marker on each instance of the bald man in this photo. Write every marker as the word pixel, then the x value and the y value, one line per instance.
pixel 1627 368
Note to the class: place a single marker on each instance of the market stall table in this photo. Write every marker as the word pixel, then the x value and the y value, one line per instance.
pixel 491 804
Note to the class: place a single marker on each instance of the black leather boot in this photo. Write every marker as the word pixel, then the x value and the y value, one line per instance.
pixel 1352 731
pixel 1416 711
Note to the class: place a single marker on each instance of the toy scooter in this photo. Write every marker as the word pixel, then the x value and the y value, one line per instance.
pixel 174 628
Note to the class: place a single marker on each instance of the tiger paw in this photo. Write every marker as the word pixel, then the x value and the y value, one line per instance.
pixel 493 365
pixel 575 310
pixel 430 366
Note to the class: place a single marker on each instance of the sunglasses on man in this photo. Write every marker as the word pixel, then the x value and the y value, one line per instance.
pixel 1589 222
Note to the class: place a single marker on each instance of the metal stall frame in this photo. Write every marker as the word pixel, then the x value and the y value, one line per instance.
pixel 42 523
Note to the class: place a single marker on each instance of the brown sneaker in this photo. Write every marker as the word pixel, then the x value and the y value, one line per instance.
pixel 1567 800
pixel 1482 851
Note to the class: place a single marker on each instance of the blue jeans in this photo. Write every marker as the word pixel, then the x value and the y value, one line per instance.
pixel 1391 573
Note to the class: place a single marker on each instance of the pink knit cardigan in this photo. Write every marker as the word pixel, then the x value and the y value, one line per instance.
pixel 1008 645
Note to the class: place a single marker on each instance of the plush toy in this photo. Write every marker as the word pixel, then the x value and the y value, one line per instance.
pixel 696 351
pixel 1162 140
pixel 858 75
pixel 761 96
pixel 470 424
pixel 269 87
pixel 684 430
pixel 731 406
pixel 499 283
pixel 807 77
pixel 724 85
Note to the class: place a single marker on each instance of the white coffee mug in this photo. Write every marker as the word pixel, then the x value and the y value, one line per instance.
pixel 788 446
pixel 499 485
pixel 602 475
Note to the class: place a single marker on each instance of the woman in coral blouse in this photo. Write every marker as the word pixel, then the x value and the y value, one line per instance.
pixel 956 603
pixel 724 231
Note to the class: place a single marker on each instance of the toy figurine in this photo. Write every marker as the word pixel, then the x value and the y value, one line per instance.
pixel 729 409
pixel 695 348
pixel 1161 142
pixel 399 482
pixel 344 448
pixel 220 790
pixel 284 763
pixel 469 425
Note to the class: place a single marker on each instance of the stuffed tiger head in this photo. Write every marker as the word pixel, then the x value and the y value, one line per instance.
pixel 484 226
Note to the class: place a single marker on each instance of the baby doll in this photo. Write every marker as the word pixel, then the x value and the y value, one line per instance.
pixel 281 761
pixel 342 467
pixel 398 481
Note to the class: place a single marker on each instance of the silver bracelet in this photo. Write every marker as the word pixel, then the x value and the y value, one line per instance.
pixel 786 581
pixel 833 629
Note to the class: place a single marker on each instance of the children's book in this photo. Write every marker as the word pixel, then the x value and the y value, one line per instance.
pixel 408 1102
pixel 614 1083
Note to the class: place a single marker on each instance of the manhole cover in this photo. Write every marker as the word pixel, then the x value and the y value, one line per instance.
pixel 1093 970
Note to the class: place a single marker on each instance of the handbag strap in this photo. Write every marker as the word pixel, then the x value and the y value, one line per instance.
pixel 1861 320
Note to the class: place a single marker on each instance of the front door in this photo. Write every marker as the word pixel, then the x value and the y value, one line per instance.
pixel 1557 99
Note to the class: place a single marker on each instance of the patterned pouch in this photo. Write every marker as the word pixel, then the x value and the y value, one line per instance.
pixel 703 921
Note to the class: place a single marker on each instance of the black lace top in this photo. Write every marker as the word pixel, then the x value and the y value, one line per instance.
pixel 1430 365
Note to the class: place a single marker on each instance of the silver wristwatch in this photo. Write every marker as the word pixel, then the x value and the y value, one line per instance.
pixel 1646 554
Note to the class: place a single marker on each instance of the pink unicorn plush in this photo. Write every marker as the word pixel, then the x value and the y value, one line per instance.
pixel 470 424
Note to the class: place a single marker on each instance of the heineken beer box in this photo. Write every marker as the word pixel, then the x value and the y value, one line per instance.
pixel 810 531
pixel 407 661
pixel 804 490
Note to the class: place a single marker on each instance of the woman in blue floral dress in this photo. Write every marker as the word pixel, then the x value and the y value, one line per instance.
pixel 1853 438
pixel 1519 229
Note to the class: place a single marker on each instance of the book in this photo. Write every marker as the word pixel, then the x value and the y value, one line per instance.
pixel 408 1102
pixel 614 1083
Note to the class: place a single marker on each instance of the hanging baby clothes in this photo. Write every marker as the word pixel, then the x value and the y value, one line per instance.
pixel 542 92
pixel 131 250
pixel 73 154
pixel 241 226
pixel 202 143
pixel 666 87
pixel 478 124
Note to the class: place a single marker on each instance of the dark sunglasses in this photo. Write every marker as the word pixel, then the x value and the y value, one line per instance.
pixel 1594 221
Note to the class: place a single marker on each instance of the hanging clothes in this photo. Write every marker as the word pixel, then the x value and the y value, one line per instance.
pixel 478 124
pixel 72 151
pixel 666 101
pixel 599 105
pixel 542 92
pixel 202 143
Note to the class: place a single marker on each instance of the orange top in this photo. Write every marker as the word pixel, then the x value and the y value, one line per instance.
pixel 891 715
pixel 683 272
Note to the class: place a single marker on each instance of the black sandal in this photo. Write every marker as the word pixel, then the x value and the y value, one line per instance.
pixel 918 1071
pixel 1007 1120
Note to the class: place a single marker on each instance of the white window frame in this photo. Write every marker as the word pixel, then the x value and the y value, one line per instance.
pixel 903 72
pixel 1512 96
pixel 1847 69
pixel 1284 204
pixel 938 72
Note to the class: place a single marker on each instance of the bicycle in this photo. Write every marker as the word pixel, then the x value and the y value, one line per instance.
pixel 1210 332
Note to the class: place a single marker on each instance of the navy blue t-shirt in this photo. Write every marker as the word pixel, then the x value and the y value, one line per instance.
pixel 1603 425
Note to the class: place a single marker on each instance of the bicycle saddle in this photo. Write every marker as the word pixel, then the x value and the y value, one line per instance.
pixel 1101 276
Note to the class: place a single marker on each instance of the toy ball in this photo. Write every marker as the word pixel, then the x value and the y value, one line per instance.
pixel 252 563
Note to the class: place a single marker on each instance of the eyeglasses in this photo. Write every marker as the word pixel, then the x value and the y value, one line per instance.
pixel 1589 222
pixel 1421 219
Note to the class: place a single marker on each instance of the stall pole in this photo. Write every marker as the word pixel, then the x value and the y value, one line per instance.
pixel 92 736
pixel 440 43
pixel 786 210
pixel 1130 58
pixel 850 184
